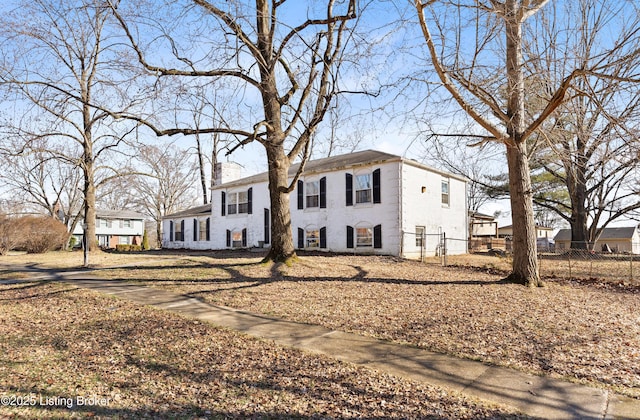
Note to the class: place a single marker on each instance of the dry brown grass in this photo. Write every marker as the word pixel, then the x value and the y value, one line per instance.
pixel 585 332
pixel 60 343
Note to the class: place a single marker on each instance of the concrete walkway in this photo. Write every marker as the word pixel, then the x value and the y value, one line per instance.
pixel 534 395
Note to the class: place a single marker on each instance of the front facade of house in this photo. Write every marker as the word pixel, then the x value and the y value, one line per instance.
pixel 617 240
pixel 115 227
pixel 366 202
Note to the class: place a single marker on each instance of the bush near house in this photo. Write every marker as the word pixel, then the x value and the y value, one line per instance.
pixel 128 248
pixel 10 233
pixel 40 234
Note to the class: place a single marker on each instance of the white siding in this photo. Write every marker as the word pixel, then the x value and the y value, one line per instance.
pixel 403 206
pixel 422 206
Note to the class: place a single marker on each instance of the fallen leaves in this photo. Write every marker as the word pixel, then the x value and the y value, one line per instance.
pixel 149 363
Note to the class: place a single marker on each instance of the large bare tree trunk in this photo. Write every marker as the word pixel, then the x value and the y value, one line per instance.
pixel 282 238
pixel 525 261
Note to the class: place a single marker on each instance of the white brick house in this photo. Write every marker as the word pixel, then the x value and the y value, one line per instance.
pixel 363 202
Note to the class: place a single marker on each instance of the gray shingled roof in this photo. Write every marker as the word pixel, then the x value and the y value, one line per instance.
pixel 193 211
pixel 119 214
pixel 364 157
pixel 607 234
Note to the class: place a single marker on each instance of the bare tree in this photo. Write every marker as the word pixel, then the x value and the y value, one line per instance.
pixel 286 59
pixel 59 64
pixel 168 185
pixel 464 40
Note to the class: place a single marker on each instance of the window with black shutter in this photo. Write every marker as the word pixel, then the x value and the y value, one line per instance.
pixel 208 233
pixel 323 192
pixel 250 200
pixel 349 189
pixel 300 194
pixel 195 230
pixel 377 236
pixel 267 229
pixel 171 230
pixel 376 186
pixel 223 205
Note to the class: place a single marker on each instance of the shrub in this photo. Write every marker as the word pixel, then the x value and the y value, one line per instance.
pixel 145 241
pixel 40 234
pixel 10 233
pixel 128 248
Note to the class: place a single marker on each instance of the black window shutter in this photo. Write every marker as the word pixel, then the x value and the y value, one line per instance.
pixel 228 238
pixel 323 237
pixel 250 200
pixel 267 222
pixel 323 192
pixel 376 186
pixel 208 228
pixel 349 237
pixel 244 237
pixel 182 230
pixel 300 238
pixel 349 189
pixel 300 194
pixel 171 230
pixel 377 236
pixel 195 229
pixel 223 206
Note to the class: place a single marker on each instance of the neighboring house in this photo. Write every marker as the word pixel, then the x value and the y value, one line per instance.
pixel 618 239
pixel 114 227
pixel 483 233
pixel 541 231
pixel 482 225
pixel 363 202
pixel 190 229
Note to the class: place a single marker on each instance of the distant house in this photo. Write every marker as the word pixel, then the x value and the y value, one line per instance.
pixel 541 232
pixel 482 225
pixel 483 233
pixel 364 202
pixel 114 227
pixel 617 239
pixel 195 235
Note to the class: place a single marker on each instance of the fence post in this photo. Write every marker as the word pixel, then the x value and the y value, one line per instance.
pixel 444 249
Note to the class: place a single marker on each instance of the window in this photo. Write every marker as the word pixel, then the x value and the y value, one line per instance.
pixel 419 236
pixel 364 237
pixel 127 223
pixel 363 188
pixel 202 236
pixel 445 192
pixel 237 239
pixel 313 238
pixel 179 227
pixel 313 194
pixel 367 188
pixel 124 240
pixel 238 202
pixel 232 206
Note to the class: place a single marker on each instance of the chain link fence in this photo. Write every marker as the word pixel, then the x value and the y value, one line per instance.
pixel 615 262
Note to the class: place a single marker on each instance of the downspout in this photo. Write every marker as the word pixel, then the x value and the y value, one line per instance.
pixel 466 212
pixel 400 214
